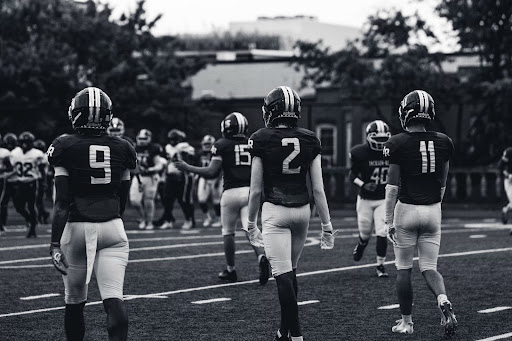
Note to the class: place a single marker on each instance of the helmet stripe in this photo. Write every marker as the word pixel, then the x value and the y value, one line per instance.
pixel 292 98
pixel 240 120
pixel 427 102
pixel 380 126
pixel 286 98
pixel 97 97
pixel 90 96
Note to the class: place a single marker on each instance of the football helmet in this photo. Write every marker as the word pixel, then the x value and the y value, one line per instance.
pixel 116 127
pixel 234 124
pixel 26 140
pixel 377 133
pixel 90 109
pixel 176 136
pixel 10 141
pixel 207 142
pixel 417 104
pixel 40 144
pixel 282 102
pixel 144 137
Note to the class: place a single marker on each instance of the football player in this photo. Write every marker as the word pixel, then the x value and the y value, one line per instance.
pixel 6 171
pixel 369 171
pixel 92 183
pixel 419 163
pixel 230 155
pixel 29 163
pixel 10 141
pixel 143 188
pixel 42 184
pixel 283 156
pixel 209 189
pixel 178 184
pixel 505 166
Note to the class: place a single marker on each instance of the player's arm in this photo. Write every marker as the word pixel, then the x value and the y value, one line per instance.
pixel 60 217
pixel 8 169
pixel 124 190
pixel 256 189
pixel 444 177
pixel 355 175
pixel 210 172
pixel 391 198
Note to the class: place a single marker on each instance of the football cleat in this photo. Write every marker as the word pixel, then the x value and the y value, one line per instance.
pixel 402 327
pixel 358 251
pixel 187 225
pixel 381 271
pixel 228 276
pixel 142 225
pixel 207 221
pixel 217 223
pixel 504 217
pixel 448 319
pixel 264 270
pixel 166 225
pixel 150 226
pixel 280 337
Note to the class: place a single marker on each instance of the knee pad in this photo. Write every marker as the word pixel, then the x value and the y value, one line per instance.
pixel 280 267
pixel 228 230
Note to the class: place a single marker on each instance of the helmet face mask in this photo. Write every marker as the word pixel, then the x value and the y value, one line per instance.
pixel 416 105
pixel 377 133
pixel 90 110
pixel 116 127
pixel 144 137
pixel 281 103
pixel 207 143
pixel 234 125
pixel 26 140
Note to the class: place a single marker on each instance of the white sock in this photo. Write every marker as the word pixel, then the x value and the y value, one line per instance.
pixel 259 257
pixel 407 318
pixel 442 298
pixel 381 260
pixel 230 268
pixel 297 338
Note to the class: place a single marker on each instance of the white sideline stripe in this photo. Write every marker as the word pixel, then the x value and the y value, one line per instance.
pixel 308 302
pixel 213 300
pixel 190 232
pixel 497 337
pixel 38 297
pixel 388 307
pixel 477 236
pixel 216 286
pixel 493 310
pixel 133 297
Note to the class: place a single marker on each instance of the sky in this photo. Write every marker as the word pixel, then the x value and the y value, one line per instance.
pixel 204 16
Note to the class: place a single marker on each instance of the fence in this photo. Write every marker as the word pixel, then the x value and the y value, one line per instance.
pixel 478 184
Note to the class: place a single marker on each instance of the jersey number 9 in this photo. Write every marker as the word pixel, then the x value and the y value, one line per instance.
pixel 105 164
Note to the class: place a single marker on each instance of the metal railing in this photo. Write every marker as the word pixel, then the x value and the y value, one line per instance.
pixel 477 184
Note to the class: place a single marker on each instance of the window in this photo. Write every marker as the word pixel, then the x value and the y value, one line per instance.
pixel 328 135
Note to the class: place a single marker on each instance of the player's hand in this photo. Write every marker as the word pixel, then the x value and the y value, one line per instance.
pixel 254 234
pixel 327 237
pixel 181 165
pixel 370 186
pixel 391 233
pixel 59 260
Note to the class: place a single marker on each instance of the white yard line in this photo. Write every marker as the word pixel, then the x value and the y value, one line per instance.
pixel 388 307
pixel 308 302
pixel 28 298
pixel 497 337
pixel 493 310
pixel 305 274
pixel 213 300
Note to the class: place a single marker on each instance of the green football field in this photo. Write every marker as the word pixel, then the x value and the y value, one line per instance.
pixel 172 291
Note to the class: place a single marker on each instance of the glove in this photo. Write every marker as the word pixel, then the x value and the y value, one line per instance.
pixel 327 237
pixel 58 259
pixel 254 234
pixel 391 233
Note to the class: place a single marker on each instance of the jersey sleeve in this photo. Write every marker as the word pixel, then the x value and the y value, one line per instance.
pixel 131 157
pixel 317 147
pixel 391 152
pixel 56 153
pixel 218 148
pixel 355 162
pixel 257 144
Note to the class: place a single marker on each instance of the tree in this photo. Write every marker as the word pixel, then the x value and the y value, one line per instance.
pixel 51 49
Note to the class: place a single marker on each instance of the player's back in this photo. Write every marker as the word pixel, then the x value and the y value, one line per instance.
pixel 96 166
pixel 421 156
pixel 370 166
pixel 236 161
pixel 287 154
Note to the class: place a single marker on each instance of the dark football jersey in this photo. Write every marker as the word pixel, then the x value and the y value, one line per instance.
pixel 287 154
pixel 146 156
pixel 369 166
pixel 421 156
pixel 505 163
pixel 95 165
pixel 236 161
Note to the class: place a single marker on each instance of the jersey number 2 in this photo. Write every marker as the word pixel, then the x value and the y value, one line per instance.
pixel 428 155
pixel 105 164
pixel 296 150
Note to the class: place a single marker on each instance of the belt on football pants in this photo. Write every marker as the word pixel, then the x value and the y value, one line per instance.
pixel 91 242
